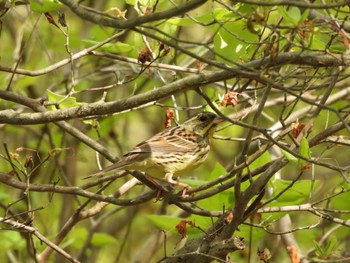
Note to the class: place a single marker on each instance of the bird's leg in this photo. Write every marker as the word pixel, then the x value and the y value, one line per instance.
pixel 160 188
pixel 169 178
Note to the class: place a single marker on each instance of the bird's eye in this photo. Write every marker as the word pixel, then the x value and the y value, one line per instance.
pixel 203 118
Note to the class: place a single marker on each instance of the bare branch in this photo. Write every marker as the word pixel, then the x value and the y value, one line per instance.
pixel 130 23
pixel 95 109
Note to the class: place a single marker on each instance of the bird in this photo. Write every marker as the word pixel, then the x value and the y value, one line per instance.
pixel 171 153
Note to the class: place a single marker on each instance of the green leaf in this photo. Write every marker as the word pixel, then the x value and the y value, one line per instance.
pixel 325 251
pixel 232 47
pixel 290 157
pixel 338 201
pixel 131 2
pixel 194 182
pixel 293 15
pixel 163 27
pixel 102 239
pixel 43 6
pixel 67 103
pixel 169 223
pixel 221 200
pixel 164 222
pixel 201 221
pixel 304 16
pixel 296 194
pixel 253 234
pixel 222 14
pixel 223 44
pixel 218 201
pixel 260 161
pixel 337 48
pixel 330 246
pixel 217 171
pixel 318 248
pixel 304 150
pixel 181 21
pixel 282 10
pixel 244 8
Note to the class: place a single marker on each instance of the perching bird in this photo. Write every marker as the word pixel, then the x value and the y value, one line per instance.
pixel 172 152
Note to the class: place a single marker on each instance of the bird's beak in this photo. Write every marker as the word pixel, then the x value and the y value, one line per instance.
pixel 218 120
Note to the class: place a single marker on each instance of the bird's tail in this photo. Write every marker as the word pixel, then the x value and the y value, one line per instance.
pixel 104 171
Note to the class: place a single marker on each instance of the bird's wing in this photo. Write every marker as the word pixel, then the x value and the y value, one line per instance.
pixel 168 141
pixel 160 144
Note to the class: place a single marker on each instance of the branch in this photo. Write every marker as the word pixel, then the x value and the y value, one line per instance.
pixel 207 247
pixel 73 190
pixel 289 240
pixel 96 109
pixel 303 4
pixel 130 23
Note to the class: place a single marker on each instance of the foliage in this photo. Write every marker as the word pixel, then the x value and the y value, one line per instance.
pixel 84 81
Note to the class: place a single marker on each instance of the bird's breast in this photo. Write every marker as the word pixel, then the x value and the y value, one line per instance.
pixel 183 163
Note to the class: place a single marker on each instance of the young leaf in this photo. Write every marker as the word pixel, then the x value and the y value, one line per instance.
pixel 304 150
pixel 296 194
pixel 229 46
pixel 166 223
pixel 67 103
pixel 304 16
pixel 291 158
pixel 318 248
pixel 292 15
pixel 325 251
pixel 102 239
pixel 330 246
pixel 181 21
pixel 217 171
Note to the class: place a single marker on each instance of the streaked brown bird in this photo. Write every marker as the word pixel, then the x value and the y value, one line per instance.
pixel 172 152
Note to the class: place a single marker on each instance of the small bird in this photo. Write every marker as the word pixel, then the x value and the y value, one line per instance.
pixel 172 152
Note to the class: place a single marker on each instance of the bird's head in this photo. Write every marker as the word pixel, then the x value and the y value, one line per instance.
pixel 203 124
